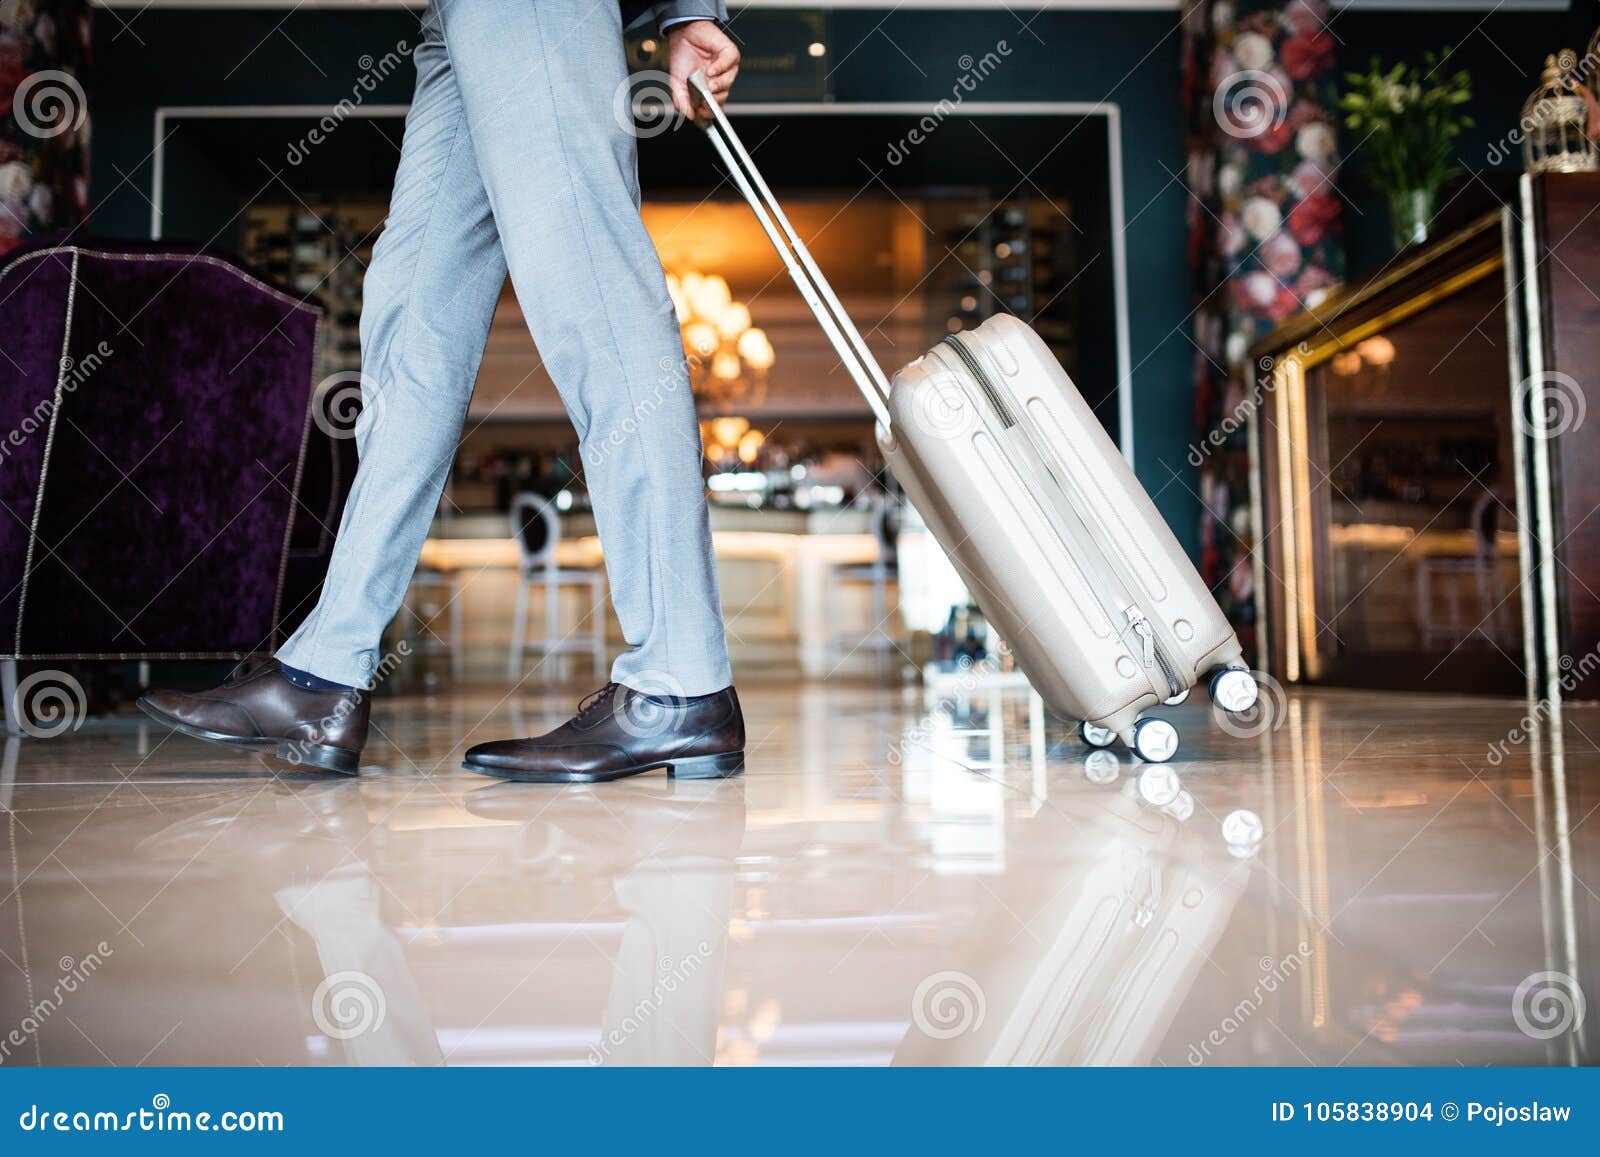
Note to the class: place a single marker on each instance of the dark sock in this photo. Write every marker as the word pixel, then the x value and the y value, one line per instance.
pixel 309 681
pixel 676 700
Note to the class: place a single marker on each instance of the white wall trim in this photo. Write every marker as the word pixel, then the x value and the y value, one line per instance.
pixel 1111 111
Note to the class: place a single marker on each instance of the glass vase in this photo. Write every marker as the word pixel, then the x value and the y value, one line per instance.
pixel 1410 215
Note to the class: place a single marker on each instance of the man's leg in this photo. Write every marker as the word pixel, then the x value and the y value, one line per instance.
pixel 540 81
pixel 436 274
pixel 430 293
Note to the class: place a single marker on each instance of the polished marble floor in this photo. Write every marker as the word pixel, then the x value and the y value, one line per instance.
pixel 1371 879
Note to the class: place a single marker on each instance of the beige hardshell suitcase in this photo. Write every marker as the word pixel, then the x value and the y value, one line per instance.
pixel 1044 520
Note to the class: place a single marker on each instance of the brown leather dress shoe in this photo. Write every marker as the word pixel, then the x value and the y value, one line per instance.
pixel 617 732
pixel 258 707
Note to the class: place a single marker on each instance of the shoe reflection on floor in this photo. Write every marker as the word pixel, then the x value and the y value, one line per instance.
pixel 672 856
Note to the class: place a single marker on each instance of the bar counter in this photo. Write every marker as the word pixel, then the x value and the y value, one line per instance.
pixel 773 566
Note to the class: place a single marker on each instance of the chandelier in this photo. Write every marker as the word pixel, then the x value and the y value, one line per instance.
pixel 728 356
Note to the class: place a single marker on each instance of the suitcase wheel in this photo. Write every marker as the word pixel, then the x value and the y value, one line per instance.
pixel 1234 690
pixel 1174 700
pixel 1101 767
pixel 1096 736
pixel 1181 808
pixel 1154 740
pixel 1159 786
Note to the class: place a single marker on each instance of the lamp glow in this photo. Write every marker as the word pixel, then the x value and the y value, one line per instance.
pixel 733 320
pixel 701 337
pixel 1376 351
pixel 710 296
pixel 756 350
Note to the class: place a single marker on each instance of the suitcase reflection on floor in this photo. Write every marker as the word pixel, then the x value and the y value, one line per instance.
pixel 1092 965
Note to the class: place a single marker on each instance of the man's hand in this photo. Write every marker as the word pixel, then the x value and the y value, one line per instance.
pixel 700 44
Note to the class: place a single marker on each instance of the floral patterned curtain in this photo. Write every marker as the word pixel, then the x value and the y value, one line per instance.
pixel 1264 236
pixel 44 120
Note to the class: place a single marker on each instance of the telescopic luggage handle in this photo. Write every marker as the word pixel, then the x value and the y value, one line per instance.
pixel 814 288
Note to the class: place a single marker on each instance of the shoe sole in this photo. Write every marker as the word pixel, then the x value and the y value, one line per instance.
pixel 294 751
pixel 723 766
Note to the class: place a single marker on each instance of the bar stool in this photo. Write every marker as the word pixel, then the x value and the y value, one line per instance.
pixel 537 528
pixel 1442 579
pixel 885 529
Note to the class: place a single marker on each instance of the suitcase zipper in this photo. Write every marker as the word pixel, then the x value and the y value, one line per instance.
pixel 1141 627
pixel 1002 411
pixel 1151 652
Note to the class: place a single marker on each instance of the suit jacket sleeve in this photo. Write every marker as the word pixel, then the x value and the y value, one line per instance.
pixel 656 11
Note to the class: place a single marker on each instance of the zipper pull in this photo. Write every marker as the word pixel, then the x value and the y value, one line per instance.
pixel 1141 627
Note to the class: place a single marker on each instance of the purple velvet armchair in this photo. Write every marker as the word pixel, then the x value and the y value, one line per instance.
pixel 165 488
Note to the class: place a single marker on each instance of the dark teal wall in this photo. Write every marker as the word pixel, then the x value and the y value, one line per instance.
pixel 1127 58
pixel 1130 58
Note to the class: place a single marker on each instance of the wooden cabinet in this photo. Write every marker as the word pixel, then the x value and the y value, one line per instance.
pixel 1426 475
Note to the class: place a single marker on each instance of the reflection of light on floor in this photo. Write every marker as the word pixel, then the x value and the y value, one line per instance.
pixel 817 1043
pixel 765 1040
pixel 1386 1027
pixel 433 817
pixel 953 765
pixel 538 1044
pixel 747 1036
pixel 853 879
pixel 604 931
